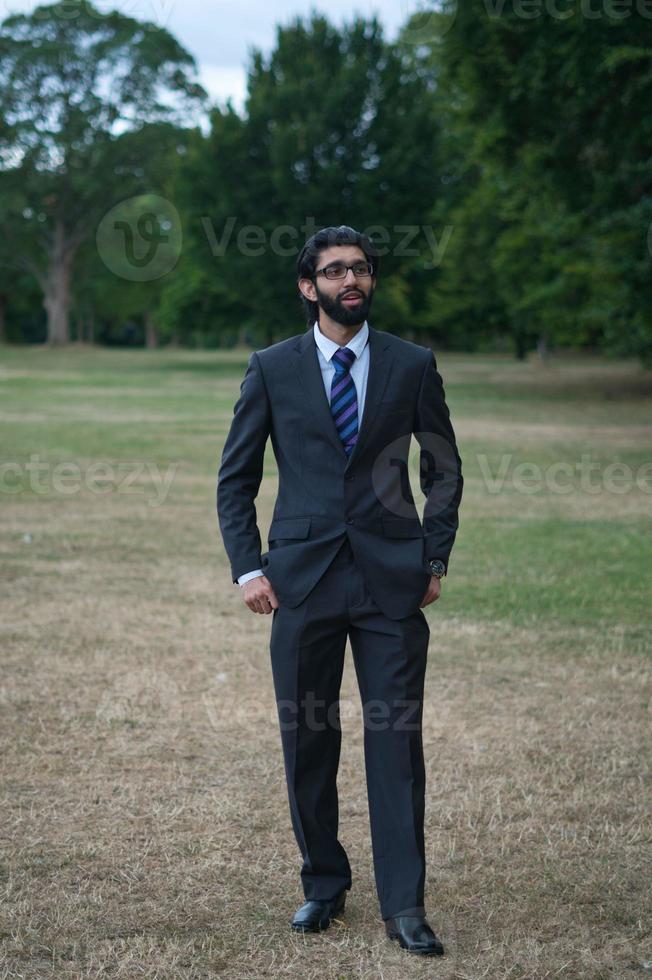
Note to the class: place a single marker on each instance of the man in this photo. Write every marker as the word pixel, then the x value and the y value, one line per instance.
pixel 348 556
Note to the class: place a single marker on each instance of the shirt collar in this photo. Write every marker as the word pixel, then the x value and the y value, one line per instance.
pixel 328 346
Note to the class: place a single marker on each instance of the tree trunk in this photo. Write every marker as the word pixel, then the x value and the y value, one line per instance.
pixel 151 333
pixel 520 343
pixel 57 287
pixel 542 347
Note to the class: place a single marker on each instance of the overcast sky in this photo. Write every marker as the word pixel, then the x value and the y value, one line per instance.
pixel 219 33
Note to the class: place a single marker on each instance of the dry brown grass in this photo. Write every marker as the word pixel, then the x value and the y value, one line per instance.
pixel 145 827
pixel 146 813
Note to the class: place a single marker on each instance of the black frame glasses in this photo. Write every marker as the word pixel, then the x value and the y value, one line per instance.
pixel 364 269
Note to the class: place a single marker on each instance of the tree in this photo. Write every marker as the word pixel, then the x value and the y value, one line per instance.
pixel 552 106
pixel 338 129
pixel 76 83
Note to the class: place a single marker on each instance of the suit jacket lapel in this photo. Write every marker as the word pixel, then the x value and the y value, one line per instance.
pixel 310 376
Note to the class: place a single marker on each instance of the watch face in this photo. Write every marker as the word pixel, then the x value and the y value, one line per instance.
pixel 437 567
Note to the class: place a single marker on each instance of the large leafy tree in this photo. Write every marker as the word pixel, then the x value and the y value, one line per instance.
pixel 338 129
pixel 112 298
pixel 554 114
pixel 76 83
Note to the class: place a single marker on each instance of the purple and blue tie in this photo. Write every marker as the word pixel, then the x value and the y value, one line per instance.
pixel 344 399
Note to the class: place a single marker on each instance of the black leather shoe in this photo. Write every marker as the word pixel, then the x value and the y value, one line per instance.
pixel 315 915
pixel 414 934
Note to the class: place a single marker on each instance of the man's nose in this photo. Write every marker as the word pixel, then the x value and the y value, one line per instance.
pixel 350 279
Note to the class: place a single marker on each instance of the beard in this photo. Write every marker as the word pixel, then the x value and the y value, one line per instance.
pixel 347 316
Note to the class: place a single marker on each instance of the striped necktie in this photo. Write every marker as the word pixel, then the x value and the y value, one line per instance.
pixel 344 399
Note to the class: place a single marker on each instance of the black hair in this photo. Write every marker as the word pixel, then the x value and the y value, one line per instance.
pixel 320 241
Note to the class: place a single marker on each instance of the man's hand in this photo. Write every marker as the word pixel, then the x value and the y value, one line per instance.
pixel 432 592
pixel 259 595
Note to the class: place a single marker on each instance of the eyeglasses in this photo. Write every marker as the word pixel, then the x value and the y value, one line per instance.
pixel 338 270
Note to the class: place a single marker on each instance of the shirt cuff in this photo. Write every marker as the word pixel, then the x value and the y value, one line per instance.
pixel 247 575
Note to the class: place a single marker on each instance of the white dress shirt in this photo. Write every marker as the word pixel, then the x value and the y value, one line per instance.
pixel 359 374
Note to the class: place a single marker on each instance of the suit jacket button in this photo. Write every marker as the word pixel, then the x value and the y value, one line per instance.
pixel 350 520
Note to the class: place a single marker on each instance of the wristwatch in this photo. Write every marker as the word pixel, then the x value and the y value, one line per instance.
pixel 437 567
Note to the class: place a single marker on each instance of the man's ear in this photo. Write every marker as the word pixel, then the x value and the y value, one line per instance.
pixel 307 287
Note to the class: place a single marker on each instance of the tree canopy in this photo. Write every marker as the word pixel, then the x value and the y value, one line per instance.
pixel 500 159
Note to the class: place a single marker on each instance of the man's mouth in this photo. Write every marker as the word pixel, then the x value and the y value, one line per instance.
pixel 352 299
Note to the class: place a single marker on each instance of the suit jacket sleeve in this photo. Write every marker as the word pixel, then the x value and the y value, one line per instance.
pixel 440 472
pixel 241 471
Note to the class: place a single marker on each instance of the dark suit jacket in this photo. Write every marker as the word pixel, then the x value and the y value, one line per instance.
pixel 324 495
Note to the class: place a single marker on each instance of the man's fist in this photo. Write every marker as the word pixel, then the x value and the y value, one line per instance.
pixel 432 592
pixel 259 595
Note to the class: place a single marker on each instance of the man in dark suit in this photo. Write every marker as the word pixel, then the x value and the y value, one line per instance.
pixel 348 556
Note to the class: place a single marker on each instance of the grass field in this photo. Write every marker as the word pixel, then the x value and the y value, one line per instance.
pixel 144 822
